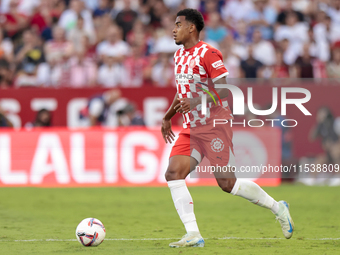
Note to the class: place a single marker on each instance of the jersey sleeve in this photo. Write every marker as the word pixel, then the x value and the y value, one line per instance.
pixel 213 64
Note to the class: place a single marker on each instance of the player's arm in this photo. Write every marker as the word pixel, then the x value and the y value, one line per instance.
pixel 187 104
pixel 166 130
pixel 222 92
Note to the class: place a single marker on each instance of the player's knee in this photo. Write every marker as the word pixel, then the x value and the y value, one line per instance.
pixel 227 185
pixel 178 169
pixel 172 175
pixel 174 172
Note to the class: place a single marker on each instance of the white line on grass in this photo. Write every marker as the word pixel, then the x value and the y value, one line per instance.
pixel 163 239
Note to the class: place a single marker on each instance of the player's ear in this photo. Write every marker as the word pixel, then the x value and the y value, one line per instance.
pixel 191 28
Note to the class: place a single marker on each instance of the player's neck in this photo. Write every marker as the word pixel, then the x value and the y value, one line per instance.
pixel 191 43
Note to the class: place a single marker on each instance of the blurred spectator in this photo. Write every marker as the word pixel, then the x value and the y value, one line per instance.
pixel 76 34
pixel 6 47
pixel 242 33
pixel 128 116
pixel 210 6
pixel 75 69
pixel 43 17
pixel 101 25
pixel 238 49
pixel 126 18
pixel 5 74
pixel 208 41
pixel 83 71
pixel 164 37
pixel 13 21
pixel 172 4
pixel 59 49
pixel 42 119
pixel 327 31
pixel 286 134
pixel 162 73
pixel 236 10
pixel 303 64
pixel 4 121
pixel 27 76
pixel 263 17
pixel 214 30
pixel 25 7
pixel 288 9
pixel 231 61
pixel 280 69
pixel 136 68
pixel 318 48
pixel 263 50
pixel 135 4
pixel 157 11
pixel 88 48
pixel 30 50
pixel 110 73
pixel 290 54
pixel 91 4
pixel 140 34
pixel 333 68
pixel 104 7
pixel 319 16
pixel 334 11
pixel 296 32
pixel 102 109
pixel 29 57
pixel 68 18
pixel 144 14
pixel 57 7
pixel 114 45
pixel 251 68
pixel 324 129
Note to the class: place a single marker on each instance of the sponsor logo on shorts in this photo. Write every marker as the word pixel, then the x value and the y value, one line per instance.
pixel 217 145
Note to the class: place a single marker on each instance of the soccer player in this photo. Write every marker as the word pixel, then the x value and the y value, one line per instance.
pixel 195 63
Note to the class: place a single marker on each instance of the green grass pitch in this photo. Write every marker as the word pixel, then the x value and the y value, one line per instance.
pixel 38 214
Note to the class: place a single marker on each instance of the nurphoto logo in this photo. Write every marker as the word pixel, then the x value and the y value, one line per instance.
pixel 238 104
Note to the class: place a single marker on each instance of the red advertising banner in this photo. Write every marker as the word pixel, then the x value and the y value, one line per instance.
pixel 65 104
pixel 60 157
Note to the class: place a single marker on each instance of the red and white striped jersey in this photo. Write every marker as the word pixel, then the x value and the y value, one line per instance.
pixel 193 69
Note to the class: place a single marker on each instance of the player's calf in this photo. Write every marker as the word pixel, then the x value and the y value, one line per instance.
pixel 226 185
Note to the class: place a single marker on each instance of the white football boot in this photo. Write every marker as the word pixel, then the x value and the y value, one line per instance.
pixel 285 220
pixel 189 240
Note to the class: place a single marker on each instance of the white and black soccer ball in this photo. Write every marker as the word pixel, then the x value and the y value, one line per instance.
pixel 90 232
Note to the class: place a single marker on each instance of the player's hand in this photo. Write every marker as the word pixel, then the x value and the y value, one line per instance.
pixel 186 105
pixel 166 130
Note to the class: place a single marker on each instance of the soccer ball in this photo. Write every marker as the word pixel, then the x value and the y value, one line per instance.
pixel 90 232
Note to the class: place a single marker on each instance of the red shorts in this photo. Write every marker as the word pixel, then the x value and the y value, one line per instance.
pixel 215 143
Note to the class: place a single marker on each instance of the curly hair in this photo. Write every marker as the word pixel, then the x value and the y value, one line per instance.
pixel 193 16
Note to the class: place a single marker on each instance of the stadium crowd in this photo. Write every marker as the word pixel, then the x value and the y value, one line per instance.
pixel 128 43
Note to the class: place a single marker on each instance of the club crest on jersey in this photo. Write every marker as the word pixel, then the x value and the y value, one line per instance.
pixel 217 64
pixel 192 63
pixel 217 145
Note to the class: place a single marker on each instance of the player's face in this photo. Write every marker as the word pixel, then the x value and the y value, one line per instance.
pixel 181 31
